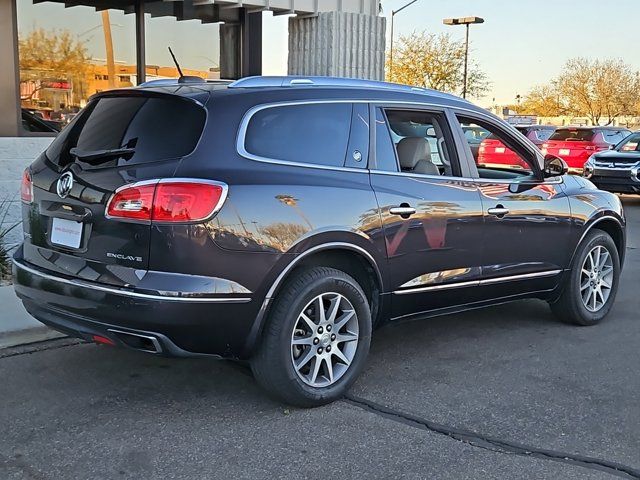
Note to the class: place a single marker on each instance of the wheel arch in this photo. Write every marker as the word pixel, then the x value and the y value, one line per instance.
pixel 610 224
pixel 352 259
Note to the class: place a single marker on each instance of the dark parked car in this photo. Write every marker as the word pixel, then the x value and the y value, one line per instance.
pixel 617 170
pixel 280 220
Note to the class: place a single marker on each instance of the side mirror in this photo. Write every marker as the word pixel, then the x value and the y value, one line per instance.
pixel 554 166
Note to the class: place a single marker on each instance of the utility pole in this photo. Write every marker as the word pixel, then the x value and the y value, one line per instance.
pixel 108 45
pixel 393 14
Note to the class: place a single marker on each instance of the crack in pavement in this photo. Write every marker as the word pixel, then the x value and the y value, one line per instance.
pixel 41 346
pixel 493 444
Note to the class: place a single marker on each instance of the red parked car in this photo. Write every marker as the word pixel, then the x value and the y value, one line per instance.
pixel 493 152
pixel 576 144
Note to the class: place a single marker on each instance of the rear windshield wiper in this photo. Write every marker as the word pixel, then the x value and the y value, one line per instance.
pixel 90 156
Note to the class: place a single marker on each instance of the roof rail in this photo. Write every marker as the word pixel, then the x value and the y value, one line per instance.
pixel 299 81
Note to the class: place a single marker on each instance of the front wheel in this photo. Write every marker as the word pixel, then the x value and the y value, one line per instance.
pixel 591 286
pixel 316 339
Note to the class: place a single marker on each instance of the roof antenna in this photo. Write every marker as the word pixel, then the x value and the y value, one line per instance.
pixel 184 78
pixel 176 62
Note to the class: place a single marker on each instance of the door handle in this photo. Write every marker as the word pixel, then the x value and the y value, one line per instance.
pixel 499 211
pixel 404 210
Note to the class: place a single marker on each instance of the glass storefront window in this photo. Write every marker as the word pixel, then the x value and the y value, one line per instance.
pixel 69 54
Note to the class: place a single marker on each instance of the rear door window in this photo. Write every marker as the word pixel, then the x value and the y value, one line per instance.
pixel 149 128
pixel 316 133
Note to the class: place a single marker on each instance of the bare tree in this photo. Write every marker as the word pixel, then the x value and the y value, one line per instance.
pixel 601 90
pixel 435 61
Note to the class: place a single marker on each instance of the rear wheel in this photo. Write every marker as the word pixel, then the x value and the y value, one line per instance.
pixel 591 285
pixel 317 338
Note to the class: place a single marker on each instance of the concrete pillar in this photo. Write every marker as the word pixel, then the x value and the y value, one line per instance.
pixel 10 117
pixel 241 46
pixel 337 44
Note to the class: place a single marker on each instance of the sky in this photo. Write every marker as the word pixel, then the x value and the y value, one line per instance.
pixel 521 44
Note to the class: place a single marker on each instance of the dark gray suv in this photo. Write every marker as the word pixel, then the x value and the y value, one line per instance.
pixel 279 220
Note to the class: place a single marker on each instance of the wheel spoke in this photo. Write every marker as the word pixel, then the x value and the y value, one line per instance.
pixel 585 285
pixel 316 369
pixel 310 325
pixel 302 341
pixel 606 271
pixel 329 368
pixel 603 260
pixel 605 283
pixel 590 258
pixel 346 337
pixel 342 321
pixel 305 359
pixel 320 313
pixel 333 308
pixel 341 356
pixel 595 299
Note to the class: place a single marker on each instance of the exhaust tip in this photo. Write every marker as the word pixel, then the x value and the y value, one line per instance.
pixel 142 343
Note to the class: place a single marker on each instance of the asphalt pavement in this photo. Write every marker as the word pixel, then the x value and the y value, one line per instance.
pixel 505 392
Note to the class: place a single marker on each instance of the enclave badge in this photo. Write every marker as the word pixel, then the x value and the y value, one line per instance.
pixel 65 184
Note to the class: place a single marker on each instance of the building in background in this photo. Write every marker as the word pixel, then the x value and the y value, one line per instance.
pixel 56 54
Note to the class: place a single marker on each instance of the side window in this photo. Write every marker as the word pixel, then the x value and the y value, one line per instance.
pixel 385 152
pixel 315 133
pixel 544 134
pixel 496 155
pixel 420 142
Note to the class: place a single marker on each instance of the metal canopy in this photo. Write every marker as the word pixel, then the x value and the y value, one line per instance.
pixel 226 11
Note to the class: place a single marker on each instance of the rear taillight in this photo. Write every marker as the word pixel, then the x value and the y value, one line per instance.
pixel 168 201
pixel 134 202
pixel 26 187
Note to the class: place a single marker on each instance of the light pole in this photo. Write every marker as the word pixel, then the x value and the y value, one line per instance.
pixel 393 14
pixel 466 21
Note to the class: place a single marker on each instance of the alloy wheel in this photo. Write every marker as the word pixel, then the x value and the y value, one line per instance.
pixel 596 278
pixel 324 339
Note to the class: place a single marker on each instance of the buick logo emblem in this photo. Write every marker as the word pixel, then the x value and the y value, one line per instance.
pixel 65 184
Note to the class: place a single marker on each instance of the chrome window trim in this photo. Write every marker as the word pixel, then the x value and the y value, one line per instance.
pixel 125 293
pixel 244 123
pixel 476 283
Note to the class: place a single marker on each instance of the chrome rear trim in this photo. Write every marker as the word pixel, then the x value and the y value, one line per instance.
pixel 128 293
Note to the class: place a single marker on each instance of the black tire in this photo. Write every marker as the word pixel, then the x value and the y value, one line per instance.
pixel 272 363
pixel 570 307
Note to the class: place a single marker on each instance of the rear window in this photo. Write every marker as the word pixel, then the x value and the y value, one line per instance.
pixel 150 128
pixel 569 134
pixel 314 133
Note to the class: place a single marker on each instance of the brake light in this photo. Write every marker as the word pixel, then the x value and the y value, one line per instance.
pixel 26 187
pixel 168 201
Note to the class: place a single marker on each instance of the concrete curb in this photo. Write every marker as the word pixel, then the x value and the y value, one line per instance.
pixel 17 327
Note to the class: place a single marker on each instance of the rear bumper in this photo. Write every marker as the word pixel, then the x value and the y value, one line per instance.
pixel 168 325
